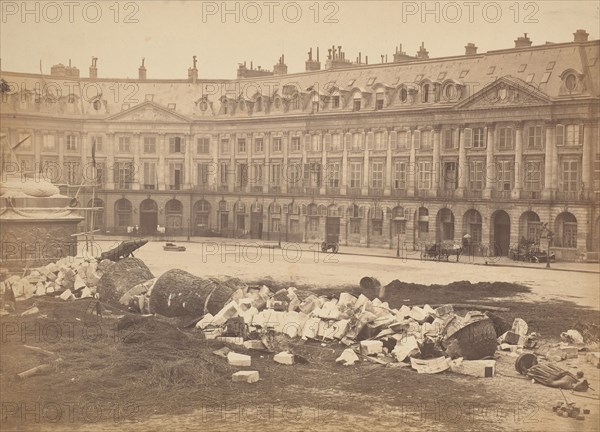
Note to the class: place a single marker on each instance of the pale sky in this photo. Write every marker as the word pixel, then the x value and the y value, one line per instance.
pixel 169 33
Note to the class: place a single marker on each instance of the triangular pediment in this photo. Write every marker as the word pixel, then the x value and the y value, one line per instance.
pixel 148 112
pixel 503 93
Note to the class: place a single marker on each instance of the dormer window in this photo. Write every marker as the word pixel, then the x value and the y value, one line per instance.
pixel 571 82
pixel 403 96
pixel 379 101
pixel 315 103
pixel 259 105
pixel 335 101
pixel 296 102
pixel 356 103
pixel 426 93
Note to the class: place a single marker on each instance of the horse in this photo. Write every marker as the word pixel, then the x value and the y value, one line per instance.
pixel 439 250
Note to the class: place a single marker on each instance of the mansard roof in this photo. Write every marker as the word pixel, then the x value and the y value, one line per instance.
pixel 539 70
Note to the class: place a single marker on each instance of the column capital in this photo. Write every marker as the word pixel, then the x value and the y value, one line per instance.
pixel 437 128
pixel 491 126
pixel 551 123
pixel 518 125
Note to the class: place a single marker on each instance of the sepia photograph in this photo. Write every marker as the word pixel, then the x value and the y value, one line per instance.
pixel 309 215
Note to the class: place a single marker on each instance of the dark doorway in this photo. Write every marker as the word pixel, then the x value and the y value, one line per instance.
pixel 255 225
pixel 148 217
pixel 501 239
pixel 332 229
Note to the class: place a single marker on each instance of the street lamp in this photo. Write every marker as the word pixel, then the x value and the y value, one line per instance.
pixel 549 235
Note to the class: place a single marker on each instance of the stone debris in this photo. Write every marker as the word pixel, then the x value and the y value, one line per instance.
pixel 285 358
pixel 348 357
pixel 78 277
pixel 430 366
pixel 476 368
pixel 371 347
pixel 246 377
pixel 424 337
pixel 572 336
pixel 236 359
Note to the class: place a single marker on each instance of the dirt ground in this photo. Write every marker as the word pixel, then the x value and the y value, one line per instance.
pixel 149 375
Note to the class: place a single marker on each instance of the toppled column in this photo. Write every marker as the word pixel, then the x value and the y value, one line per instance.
pixel 123 275
pixel 179 293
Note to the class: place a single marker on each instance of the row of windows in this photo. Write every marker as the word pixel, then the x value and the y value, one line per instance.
pixel 533 138
pixel 315 175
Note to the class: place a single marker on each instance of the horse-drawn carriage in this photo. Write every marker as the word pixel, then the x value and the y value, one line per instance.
pixel 441 250
pixel 529 251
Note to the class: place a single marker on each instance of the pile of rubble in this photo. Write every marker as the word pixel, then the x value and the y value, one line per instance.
pixel 430 340
pixel 69 278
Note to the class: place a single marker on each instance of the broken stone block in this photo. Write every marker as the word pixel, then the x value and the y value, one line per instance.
pixel 78 283
pixel 561 353
pixel 476 368
pixel 230 310
pixel 66 295
pixel 347 358
pixel 346 301
pixel 371 347
pixel 293 324
pixel 444 310
pixel 222 352
pixel 520 327
pixel 311 328
pixel 512 338
pixel 418 314
pixel 205 321
pixel 86 293
pixel 340 328
pixel 572 336
pixel 254 344
pixel 247 313
pixel 309 304
pixel 284 358
pixel 40 289
pixel 404 347
pixel 361 301
pixel 241 360
pixel 236 340
pixel 246 376
pixel 429 366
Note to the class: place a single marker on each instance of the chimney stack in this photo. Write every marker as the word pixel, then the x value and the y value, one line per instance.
pixel 280 68
pixel 470 49
pixel 580 36
pixel 93 68
pixel 400 56
pixel 310 64
pixel 522 41
pixel 193 72
pixel 142 71
pixel 422 53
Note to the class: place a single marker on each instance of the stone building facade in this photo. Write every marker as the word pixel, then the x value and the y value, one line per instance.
pixel 414 151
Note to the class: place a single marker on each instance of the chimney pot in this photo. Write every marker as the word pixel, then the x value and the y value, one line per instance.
pixel 522 41
pixel 470 49
pixel 580 36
